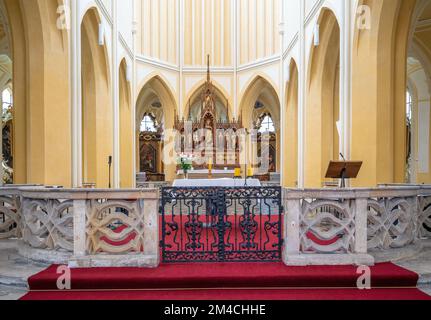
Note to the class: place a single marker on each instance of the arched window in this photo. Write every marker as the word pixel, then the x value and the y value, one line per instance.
pixel 267 125
pixel 148 125
pixel 409 107
pixel 7 99
pixel 409 129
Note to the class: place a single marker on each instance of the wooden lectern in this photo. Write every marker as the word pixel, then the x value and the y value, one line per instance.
pixel 343 170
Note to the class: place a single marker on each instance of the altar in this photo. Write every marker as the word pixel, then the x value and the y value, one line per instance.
pixel 204 173
pixel 224 182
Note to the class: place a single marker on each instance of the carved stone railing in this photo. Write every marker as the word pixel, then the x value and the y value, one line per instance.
pixel 325 227
pixel 334 226
pixel 424 207
pixel 90 227
pixel 392 218
pixel 10 217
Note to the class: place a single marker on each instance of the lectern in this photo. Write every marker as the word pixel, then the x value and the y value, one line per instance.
pixel 343 170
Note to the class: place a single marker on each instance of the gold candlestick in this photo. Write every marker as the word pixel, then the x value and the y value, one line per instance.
pixel 210 169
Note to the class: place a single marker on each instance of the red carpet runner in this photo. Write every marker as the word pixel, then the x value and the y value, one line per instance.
pixel 239 281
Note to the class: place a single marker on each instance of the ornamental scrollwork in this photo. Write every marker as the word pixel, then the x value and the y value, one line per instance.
pixel 327 226
pixel 115 227
pixel 48 224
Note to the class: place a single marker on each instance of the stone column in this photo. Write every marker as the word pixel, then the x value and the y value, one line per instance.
pixel 291 227
pixel 150 210
pixel 361 218
pixel 79 228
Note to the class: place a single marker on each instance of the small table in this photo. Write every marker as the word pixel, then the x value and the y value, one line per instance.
pixel 216 183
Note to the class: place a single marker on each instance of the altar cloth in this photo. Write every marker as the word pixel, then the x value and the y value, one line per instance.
pixel 216 183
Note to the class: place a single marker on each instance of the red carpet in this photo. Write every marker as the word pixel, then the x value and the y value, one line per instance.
pixel 238 281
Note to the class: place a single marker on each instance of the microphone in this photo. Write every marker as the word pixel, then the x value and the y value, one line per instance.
pixel 110 160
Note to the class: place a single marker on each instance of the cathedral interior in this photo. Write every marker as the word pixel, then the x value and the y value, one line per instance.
pixel 91 88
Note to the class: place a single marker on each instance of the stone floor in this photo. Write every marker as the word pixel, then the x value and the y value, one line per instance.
pixel 15 270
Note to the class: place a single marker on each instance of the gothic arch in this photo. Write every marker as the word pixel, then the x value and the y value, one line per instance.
pixel 322 112
pixel 261 90
pixel 42 135
pixel 126 129
pixel 196 90
pixel 378 92
pixel 157 88
pixel 257 88
pixel 290 162
pixel 97 120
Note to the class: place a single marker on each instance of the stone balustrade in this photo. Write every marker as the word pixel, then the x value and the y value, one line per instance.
pixel 90 227
pixel 10 213
pixel 361 226
pixel 83 227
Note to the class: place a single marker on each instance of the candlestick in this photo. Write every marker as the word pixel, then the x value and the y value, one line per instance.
pixel 250 172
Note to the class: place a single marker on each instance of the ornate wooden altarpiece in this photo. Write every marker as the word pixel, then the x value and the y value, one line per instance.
pixel 208 120
pixel 150 148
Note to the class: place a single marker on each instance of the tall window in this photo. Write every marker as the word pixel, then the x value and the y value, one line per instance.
pixel 267 125
pixel 148 125
pixel 409 107
pixel 409 118
pixel 7 99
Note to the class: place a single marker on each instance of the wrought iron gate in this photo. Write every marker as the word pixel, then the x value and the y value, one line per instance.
pixel 221 224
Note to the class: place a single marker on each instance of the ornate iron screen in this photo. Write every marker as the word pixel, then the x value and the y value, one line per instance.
pixel 221 224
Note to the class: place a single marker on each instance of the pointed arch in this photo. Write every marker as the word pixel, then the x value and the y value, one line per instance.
pixel 195 91
pixel 156 85
pixel 322 112
pixel 42 135
pixel 290 165
pixel 126 129
pixel 378 92
pixel 97 120
pixel 156 89
pixel 260 90
pixel 257 88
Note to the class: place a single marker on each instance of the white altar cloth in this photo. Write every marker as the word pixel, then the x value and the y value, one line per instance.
pixel 216 183
pixel 205 171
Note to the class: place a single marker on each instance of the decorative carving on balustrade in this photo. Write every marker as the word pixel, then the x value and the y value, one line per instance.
pixel 391 223
pixel 10 217
pixel 425 217
pixel 115 227
pixel 48 224
pixel 327 226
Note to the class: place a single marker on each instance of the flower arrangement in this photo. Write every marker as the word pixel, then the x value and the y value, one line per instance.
pixel 186 163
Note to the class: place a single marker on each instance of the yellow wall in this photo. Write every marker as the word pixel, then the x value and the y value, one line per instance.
pixel 96 106
pixel 126 132
pixel 42 134
pixel 290 147
pixel 321 141
pixel 209 27
pixel 379 85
